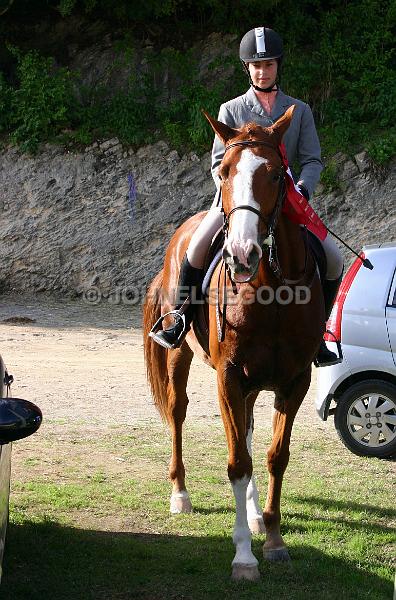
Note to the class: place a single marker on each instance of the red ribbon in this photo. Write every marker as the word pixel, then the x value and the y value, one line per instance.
pixel 297 207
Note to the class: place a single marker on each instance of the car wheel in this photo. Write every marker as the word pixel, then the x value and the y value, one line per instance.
pixel 365 418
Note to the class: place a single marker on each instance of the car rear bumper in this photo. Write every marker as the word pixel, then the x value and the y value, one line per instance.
pixel 328 380
pixel 357 362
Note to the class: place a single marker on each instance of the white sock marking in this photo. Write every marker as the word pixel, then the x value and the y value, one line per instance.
pixel 242 537
pixel 254 510
pixel 174 501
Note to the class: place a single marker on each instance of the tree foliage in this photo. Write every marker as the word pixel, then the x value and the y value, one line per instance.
pixel 41 104
pixel 5 5
pixel 339 57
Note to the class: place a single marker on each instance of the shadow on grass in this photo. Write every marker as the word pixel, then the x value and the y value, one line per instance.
pixel 344 505
pixel 49 561
pixel 327 509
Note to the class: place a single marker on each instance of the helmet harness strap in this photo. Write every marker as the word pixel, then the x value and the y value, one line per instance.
pixel 271 88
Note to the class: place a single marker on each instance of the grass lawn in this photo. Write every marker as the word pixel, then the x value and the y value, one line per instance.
pixel 89 519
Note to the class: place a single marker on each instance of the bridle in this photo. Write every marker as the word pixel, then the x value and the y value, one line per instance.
pixel 269 240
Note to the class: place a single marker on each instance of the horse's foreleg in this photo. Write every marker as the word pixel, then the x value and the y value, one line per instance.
pixel 287 403
pixel 232 404
pixel 179 362
pixel 254 510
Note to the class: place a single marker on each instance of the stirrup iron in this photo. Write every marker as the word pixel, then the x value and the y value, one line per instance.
pixel 338 358
pixel 157 327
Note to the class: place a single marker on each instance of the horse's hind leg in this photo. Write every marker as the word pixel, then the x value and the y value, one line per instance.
pixel 179 362
pixel 287 403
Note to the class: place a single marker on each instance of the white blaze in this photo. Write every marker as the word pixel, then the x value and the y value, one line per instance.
pixel 243 233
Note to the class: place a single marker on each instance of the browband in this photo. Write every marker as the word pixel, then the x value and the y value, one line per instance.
pixel 252 143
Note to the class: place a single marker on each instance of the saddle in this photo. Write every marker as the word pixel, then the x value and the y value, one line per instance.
pixel 201 317
pixel 318 254
pixel 213 258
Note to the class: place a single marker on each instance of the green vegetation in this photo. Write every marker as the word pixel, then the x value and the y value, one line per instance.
pixel 381 149
pixel 329 177
pixel 92 520
pixel 40 106
pixel 339 62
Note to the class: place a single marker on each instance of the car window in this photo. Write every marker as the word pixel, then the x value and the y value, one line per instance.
pixel 392 295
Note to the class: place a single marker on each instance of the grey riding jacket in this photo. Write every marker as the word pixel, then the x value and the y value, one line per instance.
pixel 301 139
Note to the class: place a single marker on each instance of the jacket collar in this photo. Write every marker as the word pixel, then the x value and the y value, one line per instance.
pixel 282 103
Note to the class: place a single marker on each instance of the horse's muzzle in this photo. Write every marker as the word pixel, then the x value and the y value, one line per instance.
pixel 239 272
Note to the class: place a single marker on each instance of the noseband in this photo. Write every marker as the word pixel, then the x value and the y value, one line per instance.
pixel 269 240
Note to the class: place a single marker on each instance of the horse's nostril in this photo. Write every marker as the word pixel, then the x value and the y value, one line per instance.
pixel 226 253
pixel 254 257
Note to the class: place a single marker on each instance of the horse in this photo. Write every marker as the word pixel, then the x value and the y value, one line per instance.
pixel 265 345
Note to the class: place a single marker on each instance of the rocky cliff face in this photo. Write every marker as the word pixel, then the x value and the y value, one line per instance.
pixel 363 209
pixel 67 223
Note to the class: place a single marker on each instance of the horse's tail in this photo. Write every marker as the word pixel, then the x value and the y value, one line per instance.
pixel 154 354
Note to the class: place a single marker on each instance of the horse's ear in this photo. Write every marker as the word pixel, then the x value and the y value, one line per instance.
pixel 281 126
pixel 223 131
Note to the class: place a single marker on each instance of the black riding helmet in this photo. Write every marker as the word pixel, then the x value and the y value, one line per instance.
pixel 260 43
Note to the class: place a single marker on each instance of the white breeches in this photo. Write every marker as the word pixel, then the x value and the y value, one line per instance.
pixel 335 262
pixel 202 236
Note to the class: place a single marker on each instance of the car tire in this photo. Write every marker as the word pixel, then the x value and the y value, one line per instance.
pixel 365 418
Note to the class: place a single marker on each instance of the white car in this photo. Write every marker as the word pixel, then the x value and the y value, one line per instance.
pixel 361 390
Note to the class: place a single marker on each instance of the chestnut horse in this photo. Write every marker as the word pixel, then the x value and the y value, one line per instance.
pixel 266 345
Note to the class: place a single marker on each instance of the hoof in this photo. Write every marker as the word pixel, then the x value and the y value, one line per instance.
pixel 257 525
pixel 180 503
pixel 246 572
pixel 276 554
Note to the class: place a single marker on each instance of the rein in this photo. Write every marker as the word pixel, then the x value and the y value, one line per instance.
pixel 268 242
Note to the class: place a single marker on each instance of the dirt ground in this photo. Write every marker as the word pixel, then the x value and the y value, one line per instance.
pixel 83 363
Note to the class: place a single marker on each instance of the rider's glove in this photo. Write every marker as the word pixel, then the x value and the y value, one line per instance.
pixel 303 191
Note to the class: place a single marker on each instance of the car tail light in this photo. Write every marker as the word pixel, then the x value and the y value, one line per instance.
pixel 334 322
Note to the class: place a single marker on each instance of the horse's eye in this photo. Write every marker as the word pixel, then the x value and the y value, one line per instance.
pixel 276 177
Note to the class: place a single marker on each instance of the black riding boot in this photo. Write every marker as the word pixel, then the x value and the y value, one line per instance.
pixel 326 358
pixel 189 287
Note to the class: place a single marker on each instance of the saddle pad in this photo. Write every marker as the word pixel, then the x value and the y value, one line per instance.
pixel 200 323
pixel 318 253
pixel 210 271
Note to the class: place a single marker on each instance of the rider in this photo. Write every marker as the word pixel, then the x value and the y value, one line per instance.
pixel 261 53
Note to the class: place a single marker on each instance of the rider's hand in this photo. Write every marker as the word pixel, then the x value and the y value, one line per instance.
pixel 303 190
